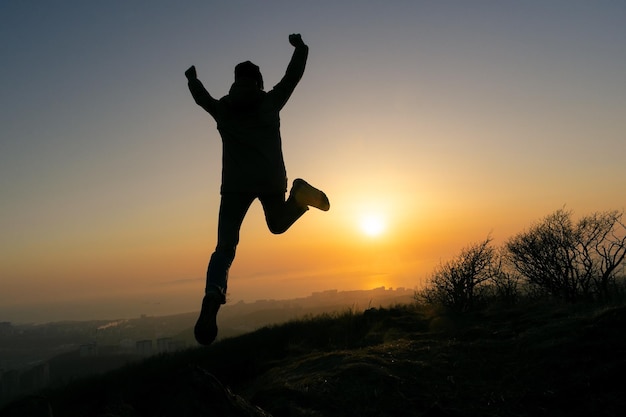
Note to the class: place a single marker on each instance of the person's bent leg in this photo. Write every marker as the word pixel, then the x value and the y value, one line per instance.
pixel 281 214
pixel 233 208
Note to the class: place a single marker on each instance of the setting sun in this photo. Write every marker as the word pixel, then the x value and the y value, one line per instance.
pixel 372 224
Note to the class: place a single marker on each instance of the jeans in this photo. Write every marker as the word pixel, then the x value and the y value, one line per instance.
pixel 280 214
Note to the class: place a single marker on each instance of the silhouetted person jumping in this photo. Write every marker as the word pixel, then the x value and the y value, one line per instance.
pixel 252 167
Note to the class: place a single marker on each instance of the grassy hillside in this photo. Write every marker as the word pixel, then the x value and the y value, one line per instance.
pixel 531 360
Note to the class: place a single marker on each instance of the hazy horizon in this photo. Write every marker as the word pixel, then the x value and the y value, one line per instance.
pixel 442 121
pixel 126 308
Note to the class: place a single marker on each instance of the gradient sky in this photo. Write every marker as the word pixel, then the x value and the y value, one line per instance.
pixel 449 119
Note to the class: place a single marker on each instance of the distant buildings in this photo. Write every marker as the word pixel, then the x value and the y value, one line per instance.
pixel 19 382
pixel 89 349
pixel 9 384
pixel 167 344
pixel 14 382
pixel 163 345
pixel 144 347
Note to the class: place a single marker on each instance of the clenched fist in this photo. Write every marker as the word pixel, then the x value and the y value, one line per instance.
pixel 191 73
pixel 296 40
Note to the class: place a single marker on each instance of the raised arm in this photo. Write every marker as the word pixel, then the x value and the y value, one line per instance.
pixel 199 93
pixel 295 70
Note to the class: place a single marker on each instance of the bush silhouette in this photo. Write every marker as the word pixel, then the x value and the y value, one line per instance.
pixel 569 260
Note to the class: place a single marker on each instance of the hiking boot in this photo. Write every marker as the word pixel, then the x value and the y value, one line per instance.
pixel 205 330
pixel 307 195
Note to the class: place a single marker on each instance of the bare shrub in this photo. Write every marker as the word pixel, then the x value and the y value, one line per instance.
pixel 460 283
pixel 602 249
pixel 505 283
pixel 570 260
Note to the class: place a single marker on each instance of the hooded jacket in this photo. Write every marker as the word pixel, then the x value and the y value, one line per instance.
pixel 249 124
